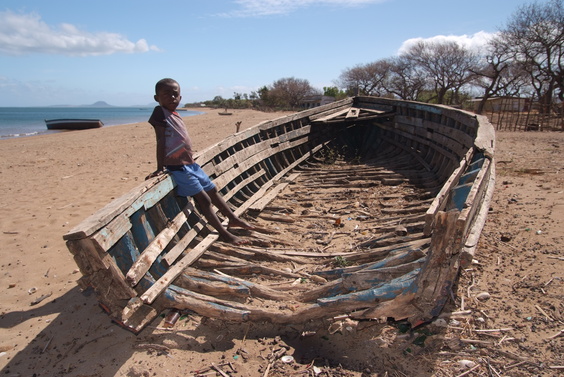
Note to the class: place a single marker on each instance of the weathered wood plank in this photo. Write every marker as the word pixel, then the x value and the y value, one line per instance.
pixel 156 247
pixel 244 165
pixel 241 285
pixel 439 202
pixel 263 202
pixel 109 235
pixel 144 194
pixel 174 271
pixel 394 258
pixel 431 289
pixel 467 254
pixel 368 297
pixel 365 279
pixel 177 250
pixel 324 119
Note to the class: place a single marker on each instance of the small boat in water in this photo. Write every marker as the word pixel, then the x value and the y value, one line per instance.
pixel 73 124
pixel 366 207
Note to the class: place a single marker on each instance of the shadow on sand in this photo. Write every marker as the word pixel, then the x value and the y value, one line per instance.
pixel 82 341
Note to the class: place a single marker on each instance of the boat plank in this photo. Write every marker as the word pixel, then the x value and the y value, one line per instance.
pixel 143 195
pixel 475 197
pixel 179 248
pixel 439 202
pixel 467 254
pixel 263 202
pixel 156 247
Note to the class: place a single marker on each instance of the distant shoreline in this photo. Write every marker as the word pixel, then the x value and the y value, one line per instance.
pixel 23 122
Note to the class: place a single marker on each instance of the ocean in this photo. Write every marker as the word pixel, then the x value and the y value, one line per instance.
pixel 29 121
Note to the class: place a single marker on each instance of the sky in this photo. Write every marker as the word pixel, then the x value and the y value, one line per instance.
pixel 63 52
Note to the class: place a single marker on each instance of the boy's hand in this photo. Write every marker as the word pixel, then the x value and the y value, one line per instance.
pixel 154 174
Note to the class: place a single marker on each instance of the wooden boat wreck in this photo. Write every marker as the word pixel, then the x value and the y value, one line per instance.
pixel 73 124
pixel 366 207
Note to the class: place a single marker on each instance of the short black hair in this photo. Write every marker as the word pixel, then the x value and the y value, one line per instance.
pixel 164 82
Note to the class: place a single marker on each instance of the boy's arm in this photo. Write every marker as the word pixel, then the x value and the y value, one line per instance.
pixel 159 133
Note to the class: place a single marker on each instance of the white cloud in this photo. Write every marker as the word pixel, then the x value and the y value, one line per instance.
pixel 250 8
pixel 475 42
pixel 22 34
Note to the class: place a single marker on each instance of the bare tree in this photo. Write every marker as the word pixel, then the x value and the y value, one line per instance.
pixel 404 81
pixel 498 74
pixel 535 37
pixel 445 65
pixel 366 79
pixel 287 93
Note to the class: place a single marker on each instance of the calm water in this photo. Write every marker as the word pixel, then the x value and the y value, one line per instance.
pixel 29 121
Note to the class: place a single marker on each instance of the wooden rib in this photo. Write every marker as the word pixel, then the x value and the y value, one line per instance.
pixel 252 269
pixel 363 256
pixel 326 118
pixel 174 271
pixel 179 248
pixel 252 178
pixel 397 257
pixel 222 284
pixel 364 279
pixel 156 247
pixel 160 285
pixel 205 286
pixel 368 297
pixel 391 239
pixel 429 292
pixel 263 202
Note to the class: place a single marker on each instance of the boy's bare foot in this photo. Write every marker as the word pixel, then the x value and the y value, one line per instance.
pixel 239 223
pixel 233 239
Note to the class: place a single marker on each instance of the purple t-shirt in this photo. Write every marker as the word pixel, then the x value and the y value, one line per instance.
pixel 177 143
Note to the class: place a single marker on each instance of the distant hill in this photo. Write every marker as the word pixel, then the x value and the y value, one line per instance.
pixel 105 104
pixel 95 104
pixel 99 104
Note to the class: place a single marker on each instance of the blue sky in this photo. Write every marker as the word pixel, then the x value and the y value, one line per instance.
pixel 78 52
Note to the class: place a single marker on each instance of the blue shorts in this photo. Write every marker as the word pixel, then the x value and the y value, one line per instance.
pixel 190 179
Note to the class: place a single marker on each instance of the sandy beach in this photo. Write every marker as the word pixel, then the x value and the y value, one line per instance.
pixel 49 327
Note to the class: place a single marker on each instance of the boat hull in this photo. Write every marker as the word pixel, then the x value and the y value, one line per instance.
pixel 73 124
pixel 420 177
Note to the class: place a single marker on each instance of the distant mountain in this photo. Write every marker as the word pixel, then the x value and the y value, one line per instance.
pixel 99 104
pixel 105 104
pixel 95 104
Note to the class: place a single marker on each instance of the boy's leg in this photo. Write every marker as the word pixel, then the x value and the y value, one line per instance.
pixel 205 205
pixel 219 202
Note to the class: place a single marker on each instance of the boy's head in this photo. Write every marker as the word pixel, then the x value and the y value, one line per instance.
pixel 167 94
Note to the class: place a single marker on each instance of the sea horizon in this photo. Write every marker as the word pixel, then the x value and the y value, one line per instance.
pixel 16 122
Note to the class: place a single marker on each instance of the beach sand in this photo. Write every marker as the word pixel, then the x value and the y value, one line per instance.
pixel 50 183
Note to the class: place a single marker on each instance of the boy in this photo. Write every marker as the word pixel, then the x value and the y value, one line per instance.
pixel 174 152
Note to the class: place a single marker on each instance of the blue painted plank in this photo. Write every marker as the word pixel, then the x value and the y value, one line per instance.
pixel 124 252
pixel 371 296
pixel 218 310
pixel 459 195
pixel 406 253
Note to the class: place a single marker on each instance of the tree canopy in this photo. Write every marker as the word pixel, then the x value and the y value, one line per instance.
pixel 524 58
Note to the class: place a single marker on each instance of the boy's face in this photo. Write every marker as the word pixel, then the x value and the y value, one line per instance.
pixel 169 96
